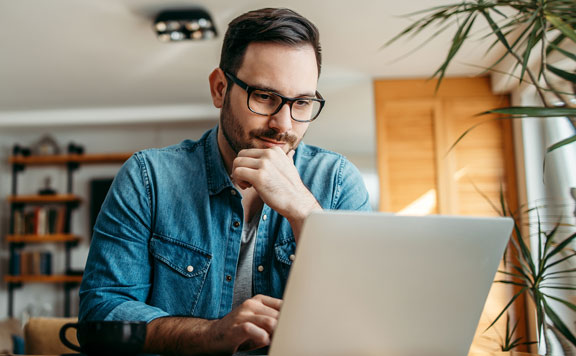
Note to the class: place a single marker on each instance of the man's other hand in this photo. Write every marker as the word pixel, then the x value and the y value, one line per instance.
pixel 250 326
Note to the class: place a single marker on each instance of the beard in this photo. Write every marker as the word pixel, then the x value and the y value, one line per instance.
pixel 234 133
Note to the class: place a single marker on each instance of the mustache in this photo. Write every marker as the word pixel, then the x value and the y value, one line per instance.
pixel 273 135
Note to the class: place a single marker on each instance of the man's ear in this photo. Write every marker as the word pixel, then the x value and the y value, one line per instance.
pixel 218 86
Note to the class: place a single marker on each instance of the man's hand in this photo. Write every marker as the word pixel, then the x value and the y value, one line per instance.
pixel 274 177
pixel 248 327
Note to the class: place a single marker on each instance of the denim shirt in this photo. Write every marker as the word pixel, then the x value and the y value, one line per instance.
pixel 167 239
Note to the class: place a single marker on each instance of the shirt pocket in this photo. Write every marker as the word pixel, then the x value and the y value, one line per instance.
pixel 180 270
pixel 285 251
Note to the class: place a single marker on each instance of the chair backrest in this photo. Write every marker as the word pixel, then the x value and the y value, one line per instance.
pixel 9 328
pixel 42 336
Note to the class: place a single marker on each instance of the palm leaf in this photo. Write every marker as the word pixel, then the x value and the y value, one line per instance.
pixel 457 41
pixel 538 303
pixel 554 47
pixel 507 306
pixel 561 260
pixel 559 287
pixel 565 28
pixel 504 281
pixel 571 77
pixel 547 245
pixel 565 302
pixel 533 111
pixel 560 247
pixel 534 37
pixel 562 143
pixel 572 270
pixel 559 324
pixel 511 274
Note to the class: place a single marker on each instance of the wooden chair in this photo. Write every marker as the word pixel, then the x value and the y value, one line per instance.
pixel 42 336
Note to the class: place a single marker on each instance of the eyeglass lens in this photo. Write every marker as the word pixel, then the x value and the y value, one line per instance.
pixel 266 103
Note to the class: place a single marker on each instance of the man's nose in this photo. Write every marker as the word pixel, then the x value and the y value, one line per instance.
pixel 281 121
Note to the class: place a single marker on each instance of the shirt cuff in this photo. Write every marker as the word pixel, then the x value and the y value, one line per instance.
pixel 136 311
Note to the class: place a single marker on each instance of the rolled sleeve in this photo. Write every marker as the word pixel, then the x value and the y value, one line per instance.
pixel 117 277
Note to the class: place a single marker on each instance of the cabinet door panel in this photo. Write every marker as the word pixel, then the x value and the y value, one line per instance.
pixel 406 140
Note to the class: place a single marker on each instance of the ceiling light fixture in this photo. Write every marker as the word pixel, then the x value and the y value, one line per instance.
pixel 185 24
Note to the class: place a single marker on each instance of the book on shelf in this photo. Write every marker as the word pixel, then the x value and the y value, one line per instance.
pixel 15 263
pixel 31 263
pixel 45 220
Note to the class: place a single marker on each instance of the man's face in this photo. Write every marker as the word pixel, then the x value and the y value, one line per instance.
pixel 289 71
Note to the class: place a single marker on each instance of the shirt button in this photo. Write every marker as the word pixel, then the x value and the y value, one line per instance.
pixel 264 217
pixel 292 258
pixel 236 223
pixel 228 278
pixel 260 268
pixel 189 268
pixel 233 192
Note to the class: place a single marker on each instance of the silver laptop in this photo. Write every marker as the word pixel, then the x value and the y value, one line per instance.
pixel 379 284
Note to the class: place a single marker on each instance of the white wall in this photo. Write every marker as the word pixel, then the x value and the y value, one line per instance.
pixel 346 126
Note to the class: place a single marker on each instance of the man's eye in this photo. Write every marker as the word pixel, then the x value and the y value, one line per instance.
pixel 302 103
pixel 263 96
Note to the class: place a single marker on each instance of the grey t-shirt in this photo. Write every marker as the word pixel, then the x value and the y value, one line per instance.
pixel 243 283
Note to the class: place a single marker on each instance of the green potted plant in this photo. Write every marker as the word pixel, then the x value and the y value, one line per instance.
pixel 534 35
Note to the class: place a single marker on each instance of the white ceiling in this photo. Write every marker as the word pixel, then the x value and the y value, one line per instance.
pixel 59 55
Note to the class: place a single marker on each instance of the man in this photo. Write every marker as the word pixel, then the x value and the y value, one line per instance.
pixel 197 239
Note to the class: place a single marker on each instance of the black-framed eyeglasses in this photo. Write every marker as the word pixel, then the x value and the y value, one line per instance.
pixel 266 102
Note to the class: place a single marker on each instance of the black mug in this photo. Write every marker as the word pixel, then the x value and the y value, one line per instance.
pixel 107 337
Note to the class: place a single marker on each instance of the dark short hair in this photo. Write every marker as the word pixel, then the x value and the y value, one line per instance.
pixel 279 25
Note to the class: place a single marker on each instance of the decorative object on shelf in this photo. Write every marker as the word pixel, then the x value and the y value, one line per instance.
pixel 47 189
pixel 184 24
pixel 46 146
pixel 18 150
pixel 74 148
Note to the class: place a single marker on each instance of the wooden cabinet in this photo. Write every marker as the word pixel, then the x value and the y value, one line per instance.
pixel 421 173
pixel 63 204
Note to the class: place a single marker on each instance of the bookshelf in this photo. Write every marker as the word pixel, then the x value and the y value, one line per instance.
pixel 42 238
pixel 45 219
pixel 44 199
pixel 43 279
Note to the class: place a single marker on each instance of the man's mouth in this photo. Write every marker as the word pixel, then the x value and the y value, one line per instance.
pixel 270 142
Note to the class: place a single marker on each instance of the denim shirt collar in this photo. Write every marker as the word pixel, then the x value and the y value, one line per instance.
pixel 217 176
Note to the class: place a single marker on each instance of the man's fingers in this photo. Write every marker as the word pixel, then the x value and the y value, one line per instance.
pixel 257 306
pixel 243 175
pixel 252 152
pixel 256 337
pixel 271 302
pixel 264 322
pixel 249 162
pixel 259 152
